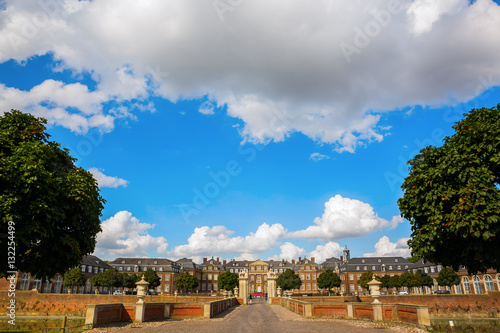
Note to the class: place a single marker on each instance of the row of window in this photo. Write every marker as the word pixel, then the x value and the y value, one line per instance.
pixel 90 269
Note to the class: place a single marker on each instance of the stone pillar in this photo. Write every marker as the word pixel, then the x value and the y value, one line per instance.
pixel 142 287
pixel 271 284
pixel 243 289
pixel 377 311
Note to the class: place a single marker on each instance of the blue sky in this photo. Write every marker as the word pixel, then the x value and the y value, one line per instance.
pixel 249 130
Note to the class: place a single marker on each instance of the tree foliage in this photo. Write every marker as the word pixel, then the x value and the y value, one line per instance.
pixel 130 280
pixel 386 281
pixel 365 278
pixel 451 196
pixel 289 280
pixel 51 204
pixel 328 280
pixel 448 277
pixel 151 277
pixel 74 277
pixel 98 280
pixel 227 280
pixel 408 279
pixel 186 281
pixel 423 279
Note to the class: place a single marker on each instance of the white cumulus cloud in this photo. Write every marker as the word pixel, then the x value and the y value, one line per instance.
pixel 288 252
pixel 318 157
pixel 386 248
pixel 107 181
pixel 279 66
pixel 124 236
pixel 206 241
pixel 323 252
pixel 344 217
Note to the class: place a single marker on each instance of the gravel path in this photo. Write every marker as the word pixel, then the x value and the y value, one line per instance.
pixel 259 317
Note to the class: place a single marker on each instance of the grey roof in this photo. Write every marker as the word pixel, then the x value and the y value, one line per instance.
pixel 186 263
pixel 165 264
pixel 330 263
pixel 214 262
pixel 94 261
pixel 376 264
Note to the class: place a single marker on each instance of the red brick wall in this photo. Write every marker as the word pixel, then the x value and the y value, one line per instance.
pixel 154 311
pixel 109 313
pixel 408 315
pixel 363 311
pixel 329 310
pixel 186 310
pixel 388 313
pixel 486 305
pixel 275 301
pixel 33 303
pixel 128 312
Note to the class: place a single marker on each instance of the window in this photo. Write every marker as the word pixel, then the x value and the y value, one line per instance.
pixel 258 268
pixel 231 270
pixel 48 285
pixel 25 282
pixel 399 267
pixel 351 277
pixel 379 260
pixel 466 285
pixel 314 276
pixel 363 261
pixel 167 287
pixel 373 267
pixel 161 269
pixel 88 286
pixel 364 268
pixel 352 287
pixel 120 269
pixel 390 268
pixel 139 262
pixel 458 289
pixel 302 276
pixel 209 286
pixel 488 283
pixel 308 277
pixel 357 268
pixel 160 276
pixel 97 269
pixel 308 268
pixel 167 277
pixel 308 286
pixel 204 286
pixel 314 286
pixel 358 276
pixel 498 281
pixel 395 260
pixel 215 277
pixel 258 278
pixel 477 285
pixel 57 288
pixel 359 288
pixel 89 269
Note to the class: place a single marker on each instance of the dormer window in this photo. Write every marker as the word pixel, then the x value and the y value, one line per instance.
pixel 395 260
pixel 123 261
pixel 139 262
pixel 156 262
pixel 379 260
pixel 363 261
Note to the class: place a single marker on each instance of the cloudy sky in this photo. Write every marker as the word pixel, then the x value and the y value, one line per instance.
pixel 249 129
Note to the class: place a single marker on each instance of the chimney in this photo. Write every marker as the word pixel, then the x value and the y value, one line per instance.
pixel 217 259
pixel 204 260
pixel 223 262
pixel 293 261
pixel 341 259
pixel 312 259
pixel 300 260
pixel 283 261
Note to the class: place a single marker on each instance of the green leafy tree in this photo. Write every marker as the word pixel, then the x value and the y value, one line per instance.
pixel 289 280
pixel 328 280
pixel 227 280
pixel 130 280
pixel 423 279
pixel 98 280
pixel 365 278
pixel 46 202
pixel 186 282
pixel 153 278
pixel 413 259
pixel 451 196
pixel 74 278
pixel 448 277
pixel 110 278
pixel 395 282
pixel 408 280
pixel 386 281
